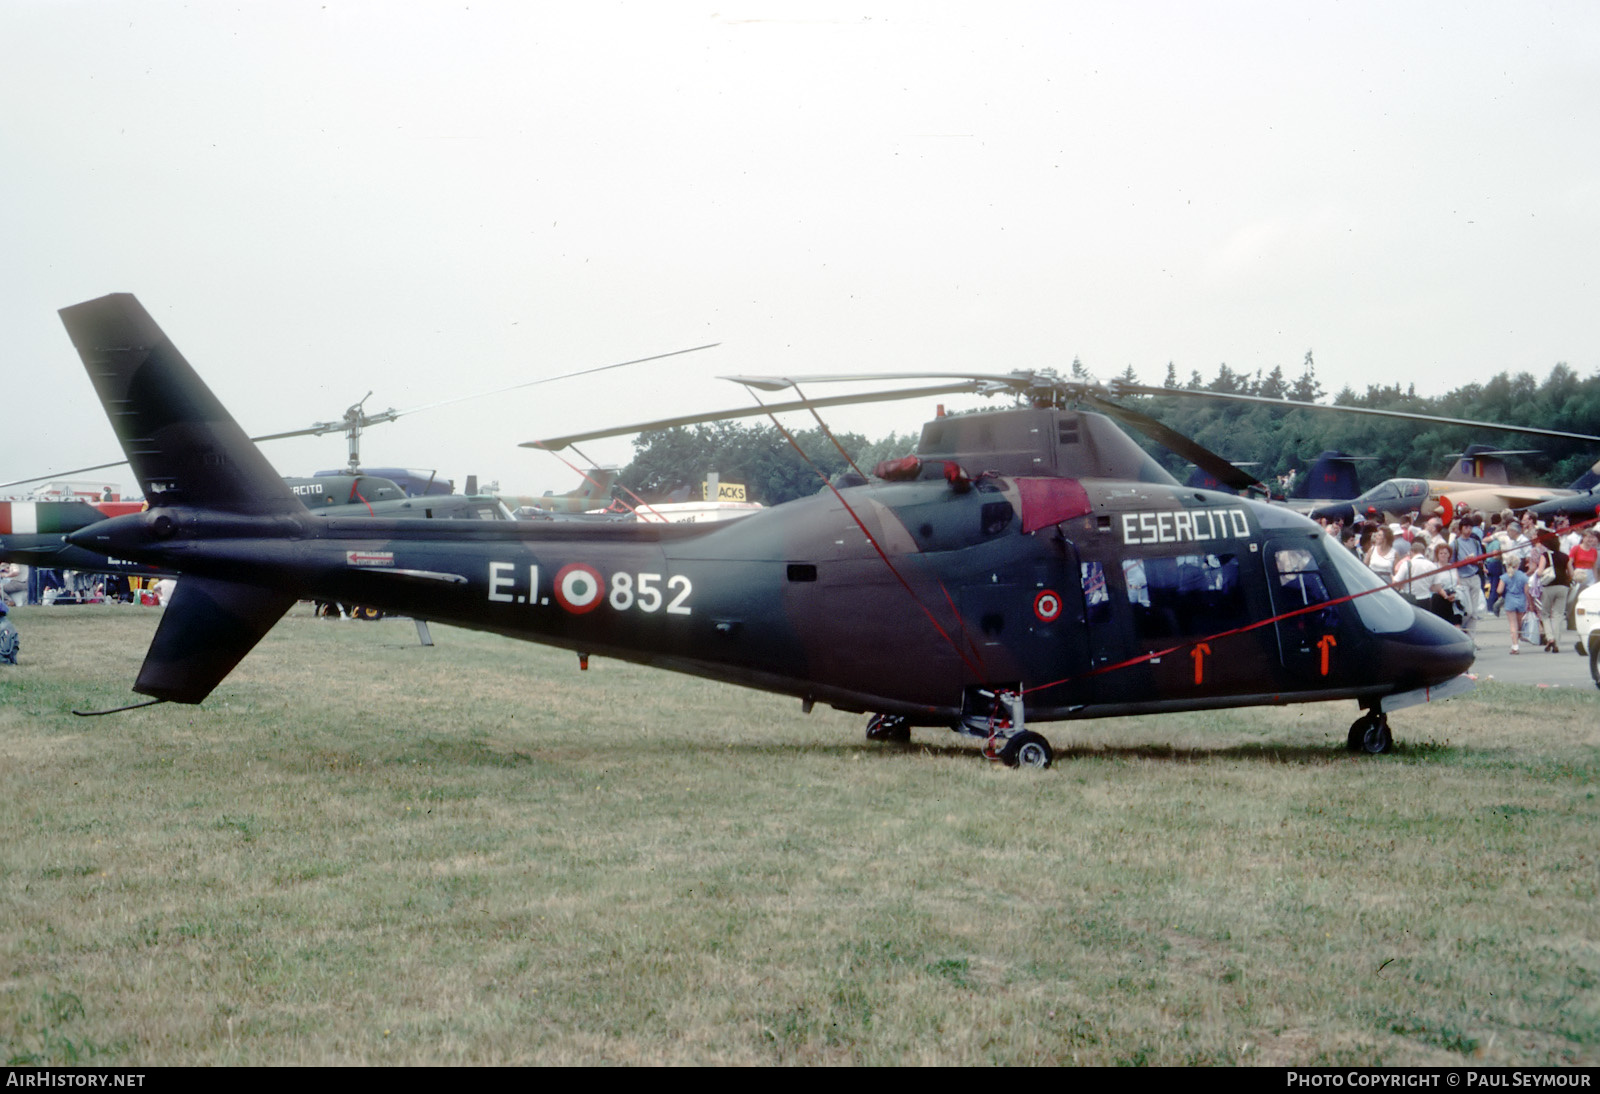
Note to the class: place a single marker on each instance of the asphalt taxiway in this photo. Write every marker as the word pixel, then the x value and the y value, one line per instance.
pixel 1532 666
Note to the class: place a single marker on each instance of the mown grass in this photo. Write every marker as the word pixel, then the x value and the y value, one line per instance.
pixel 361 851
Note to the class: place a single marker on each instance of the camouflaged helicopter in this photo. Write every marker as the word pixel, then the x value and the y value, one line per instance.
pixel 1026 565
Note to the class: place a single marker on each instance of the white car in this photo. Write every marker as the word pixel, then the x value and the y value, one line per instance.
pixel 1587 617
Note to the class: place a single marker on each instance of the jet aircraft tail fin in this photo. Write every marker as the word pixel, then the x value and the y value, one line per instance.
pixel 1332 477
pixel 185 448
pixel 1588 480
pixel 595 487
pixel 205 631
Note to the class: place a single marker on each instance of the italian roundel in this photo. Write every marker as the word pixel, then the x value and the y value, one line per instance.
pixel 1047 606
pixel 579 588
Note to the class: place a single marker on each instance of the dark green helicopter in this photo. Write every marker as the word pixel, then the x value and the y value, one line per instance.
pixel 1028 565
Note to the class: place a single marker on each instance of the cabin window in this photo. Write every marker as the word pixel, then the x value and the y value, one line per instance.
pixel 1096 594
pixel 1183 595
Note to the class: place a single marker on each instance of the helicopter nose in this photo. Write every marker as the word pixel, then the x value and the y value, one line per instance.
pixel 1428 653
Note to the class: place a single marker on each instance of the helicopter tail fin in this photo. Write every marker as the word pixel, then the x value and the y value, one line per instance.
pixel 205 631
pixel 184 447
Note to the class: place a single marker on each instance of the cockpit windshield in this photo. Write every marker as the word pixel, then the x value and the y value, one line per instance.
pixel 1384 611
pixel 1394 495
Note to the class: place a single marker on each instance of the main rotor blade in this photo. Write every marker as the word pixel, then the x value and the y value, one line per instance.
pixel 967 388
pixel 322 428
pixel 778 383
pixel 325 427
pixel 562 376
pixel 309 431
pixel 63 474
pixel 1141 389
pixel 1196 453
pixel 1495 452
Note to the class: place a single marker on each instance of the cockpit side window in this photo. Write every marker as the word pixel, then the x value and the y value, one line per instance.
pixel 1298 583
pixel 996 517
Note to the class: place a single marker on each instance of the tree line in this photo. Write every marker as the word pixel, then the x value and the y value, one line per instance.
pixel 1272 440
pixel 1278 440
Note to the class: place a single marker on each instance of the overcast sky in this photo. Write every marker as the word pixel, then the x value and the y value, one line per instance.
pixel 433 199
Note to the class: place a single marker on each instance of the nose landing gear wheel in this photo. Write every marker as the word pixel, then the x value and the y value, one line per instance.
pixel 1370 734
pixel 1027 749
pixel 888 727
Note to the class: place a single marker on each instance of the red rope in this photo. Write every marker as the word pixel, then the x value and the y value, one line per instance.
pixel 1190 644
pixel 625 490
pixel 976 668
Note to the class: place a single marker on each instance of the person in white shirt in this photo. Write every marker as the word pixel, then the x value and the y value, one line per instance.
pixel 1443 588
pixel 1411 575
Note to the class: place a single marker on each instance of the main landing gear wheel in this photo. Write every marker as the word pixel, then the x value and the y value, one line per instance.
pixel 1370 734
pixel 888 727
pixel 1027 749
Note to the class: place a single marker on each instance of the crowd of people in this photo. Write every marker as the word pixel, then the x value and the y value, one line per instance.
pixel 41 585
pixel 1475 567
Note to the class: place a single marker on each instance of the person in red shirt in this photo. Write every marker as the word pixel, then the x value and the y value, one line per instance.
pixel 1584 559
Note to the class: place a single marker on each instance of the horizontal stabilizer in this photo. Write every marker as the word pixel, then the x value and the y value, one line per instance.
pixel 185 448
pixel 205 631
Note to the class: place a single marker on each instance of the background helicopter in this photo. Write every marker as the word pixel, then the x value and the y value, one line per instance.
pixel 1026 565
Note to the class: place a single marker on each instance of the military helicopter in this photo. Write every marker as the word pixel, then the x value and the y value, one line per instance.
pixel 1026 565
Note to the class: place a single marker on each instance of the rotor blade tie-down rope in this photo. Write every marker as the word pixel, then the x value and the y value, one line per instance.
pixel 591 480
pixel 977 669
pixel 955 612
pixel 826 432
pixel 630 493
pixel 581 474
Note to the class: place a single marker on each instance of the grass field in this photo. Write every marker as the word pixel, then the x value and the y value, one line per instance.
pixel 361 851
